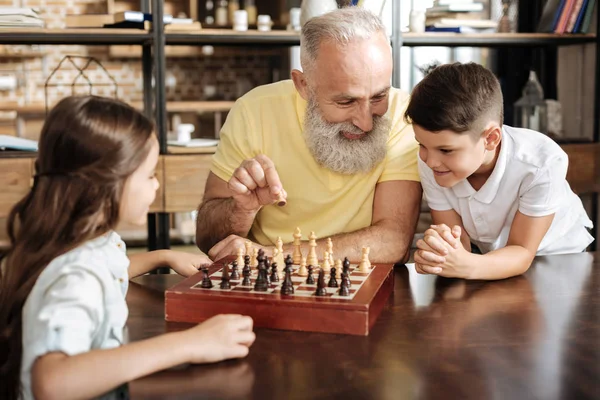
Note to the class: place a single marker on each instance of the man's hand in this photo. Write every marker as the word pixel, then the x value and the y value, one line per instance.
pixel 229 246
pixel 255 183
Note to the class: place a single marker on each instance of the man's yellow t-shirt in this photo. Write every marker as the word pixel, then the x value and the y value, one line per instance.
pixel 269 120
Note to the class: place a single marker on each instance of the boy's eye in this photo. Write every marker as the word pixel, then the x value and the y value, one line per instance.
pixel 446 151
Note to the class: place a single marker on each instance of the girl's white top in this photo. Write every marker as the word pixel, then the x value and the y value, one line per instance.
pixel 77 304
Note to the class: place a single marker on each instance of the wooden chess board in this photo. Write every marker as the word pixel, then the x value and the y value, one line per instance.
pixel 302 311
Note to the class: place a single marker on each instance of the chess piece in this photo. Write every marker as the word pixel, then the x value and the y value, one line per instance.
pixel 279 258
pixel 287 287
pixel 274 274
pixel 330 250
pixel 246 262
pixel 268 268
pixel 297 255
pixel 365 264
pixel 338 269
pixel 332 280
pixel 225 278
pixel 246 273
pixel 346 266
pixel 310 280
pixel 206 282
pixel 235 275
pixel 254 258
pixel 321 289
pixel 289 262
pixel 248 248
pixel 325 265
pixel 312 258
pixel 261 284
pixel 302 271
pixel 345 286
pixel 240 256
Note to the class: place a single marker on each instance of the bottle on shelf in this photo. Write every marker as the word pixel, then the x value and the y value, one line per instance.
pixel 221 17
pixel 234 5
pixel 209 19
pixel 250 8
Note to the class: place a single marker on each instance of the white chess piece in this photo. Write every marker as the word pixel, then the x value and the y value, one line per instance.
pixel 297 255
pixel 365 264
pixel 303 271
pixel 240 257
pixel 325 265
pixel 253 259
pixel 312 258
pixel 248 248
pixel 338 269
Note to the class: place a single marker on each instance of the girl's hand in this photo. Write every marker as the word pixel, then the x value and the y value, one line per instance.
pixel 186 264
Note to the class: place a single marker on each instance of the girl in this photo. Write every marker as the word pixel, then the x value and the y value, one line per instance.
pixel 64 279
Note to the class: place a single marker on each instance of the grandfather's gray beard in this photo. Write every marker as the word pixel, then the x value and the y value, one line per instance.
pixel 332 150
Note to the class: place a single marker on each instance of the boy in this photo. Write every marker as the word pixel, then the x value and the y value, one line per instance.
pixel 502 188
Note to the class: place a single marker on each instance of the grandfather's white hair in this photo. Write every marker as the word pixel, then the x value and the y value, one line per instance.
pixel 340 26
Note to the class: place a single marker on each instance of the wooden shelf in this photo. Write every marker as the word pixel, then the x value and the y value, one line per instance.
pixel 234 38
pixel 95 36
pixel 493 39
pixel 172 106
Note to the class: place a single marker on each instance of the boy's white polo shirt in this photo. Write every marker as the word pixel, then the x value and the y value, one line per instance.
pixel 529 176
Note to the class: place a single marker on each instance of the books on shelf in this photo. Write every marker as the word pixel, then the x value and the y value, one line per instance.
pixel 194 143
pixel 20 17
pixel 567 16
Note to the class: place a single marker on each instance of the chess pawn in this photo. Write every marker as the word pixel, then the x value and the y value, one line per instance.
pixel 325 265
pixel 274 274
pixel 280 260
pixel 365 264
pixel 297 255
pixel 312 258
pixel 206 281
pixel 338 269
pixel 345 286
pixel 240 256
pixel 346 266
pixel 234 271
pixel 246 274
pixel 225 278
pixel 310 280
pixel 321 289
pixel 287 286
pixel 332 281
pixel 302 271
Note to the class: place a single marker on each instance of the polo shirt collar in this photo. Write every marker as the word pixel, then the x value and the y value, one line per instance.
pixel 490 188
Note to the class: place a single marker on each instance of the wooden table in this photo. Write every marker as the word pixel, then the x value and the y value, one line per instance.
pixel 535 336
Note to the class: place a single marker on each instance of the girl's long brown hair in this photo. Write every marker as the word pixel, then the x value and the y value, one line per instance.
pixel 88 147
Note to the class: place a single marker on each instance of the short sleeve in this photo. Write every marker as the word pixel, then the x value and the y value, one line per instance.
pixel 69 315
pixel 401 158
pixel 235 138
pixel 544 191
pixel 434 194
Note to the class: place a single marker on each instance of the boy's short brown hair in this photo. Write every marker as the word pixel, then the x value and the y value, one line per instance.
pixel 455 96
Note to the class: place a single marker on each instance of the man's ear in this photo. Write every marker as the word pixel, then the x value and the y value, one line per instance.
pixel 300 83
pixel 492 137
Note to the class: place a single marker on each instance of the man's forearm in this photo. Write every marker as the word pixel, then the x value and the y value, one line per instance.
pixel 386 244
pixel 219 218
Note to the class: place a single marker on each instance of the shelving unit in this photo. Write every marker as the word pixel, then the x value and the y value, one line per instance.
pixel 584 168
pixel 153 59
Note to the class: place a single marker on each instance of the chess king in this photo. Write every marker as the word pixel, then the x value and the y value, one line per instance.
pixel 327 151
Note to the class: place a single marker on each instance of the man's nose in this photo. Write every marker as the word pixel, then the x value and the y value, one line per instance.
pixel 363 119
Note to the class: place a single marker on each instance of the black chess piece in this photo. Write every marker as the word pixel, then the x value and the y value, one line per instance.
pixel 225 278
pixel 274 274
pixel 287 287
pixel 246 261
pixel 310 280
pixel 321 289
pixel 235 275
pixel 345 286
pixel 246 274
pixel 332 280
pixel 346 266
pixel 261 284
pixel 268 267
pixel 206 282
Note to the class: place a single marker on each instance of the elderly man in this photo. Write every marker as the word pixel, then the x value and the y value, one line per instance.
pixel 331 143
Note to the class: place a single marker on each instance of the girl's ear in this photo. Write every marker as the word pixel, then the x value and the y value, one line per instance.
pixel 492 137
